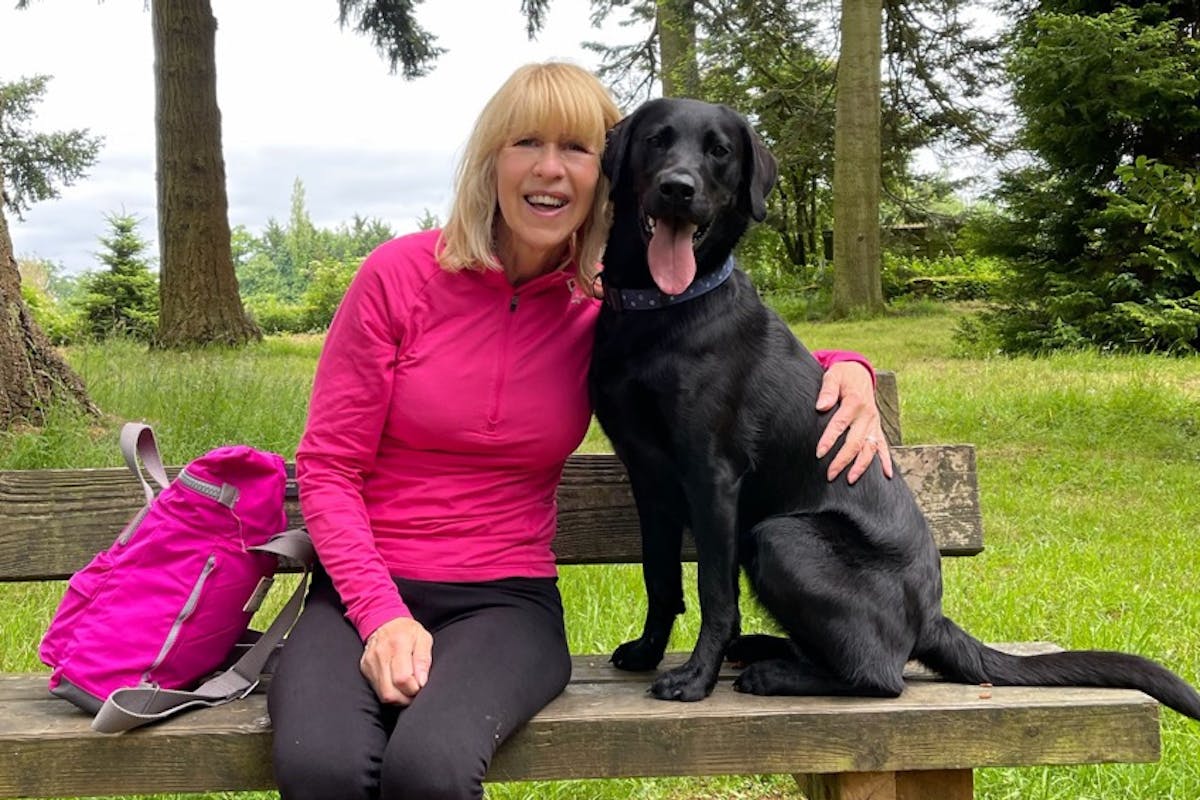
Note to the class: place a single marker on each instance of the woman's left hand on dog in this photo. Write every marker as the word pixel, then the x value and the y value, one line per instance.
pixel 851 382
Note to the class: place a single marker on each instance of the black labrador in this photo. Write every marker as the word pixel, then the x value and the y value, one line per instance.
pixel 709 401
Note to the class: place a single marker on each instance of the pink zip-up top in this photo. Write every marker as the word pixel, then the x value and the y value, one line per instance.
pixel 444 407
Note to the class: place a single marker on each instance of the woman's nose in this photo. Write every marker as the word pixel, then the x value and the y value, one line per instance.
pixel 549 161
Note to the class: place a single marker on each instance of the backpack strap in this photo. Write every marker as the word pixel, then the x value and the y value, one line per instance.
pixel 137 442
pixel 133 707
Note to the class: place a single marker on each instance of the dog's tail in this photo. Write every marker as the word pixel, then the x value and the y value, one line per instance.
pixel 956 655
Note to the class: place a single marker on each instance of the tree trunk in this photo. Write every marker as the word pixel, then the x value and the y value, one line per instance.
pixel 857 282
pixel 198 286
pixel 677 48
pixel 33 376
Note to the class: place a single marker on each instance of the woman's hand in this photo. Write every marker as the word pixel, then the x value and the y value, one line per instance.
pixel 396 660
pixel 850 383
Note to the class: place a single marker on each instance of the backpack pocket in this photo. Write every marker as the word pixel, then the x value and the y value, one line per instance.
pixel 82 588
pixel 210 622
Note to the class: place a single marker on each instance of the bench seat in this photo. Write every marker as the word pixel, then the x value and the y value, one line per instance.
pixel 606 726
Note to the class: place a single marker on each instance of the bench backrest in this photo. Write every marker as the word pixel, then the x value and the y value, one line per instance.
pixel 53 521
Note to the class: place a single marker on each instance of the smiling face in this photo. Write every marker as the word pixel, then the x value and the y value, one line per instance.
pixel 545 188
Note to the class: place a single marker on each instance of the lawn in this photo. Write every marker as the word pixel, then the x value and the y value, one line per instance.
pixel 1088 467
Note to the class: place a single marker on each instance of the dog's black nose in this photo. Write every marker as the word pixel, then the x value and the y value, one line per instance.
pixel 678 189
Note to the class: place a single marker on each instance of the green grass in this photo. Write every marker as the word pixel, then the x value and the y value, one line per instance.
pixel 1088 468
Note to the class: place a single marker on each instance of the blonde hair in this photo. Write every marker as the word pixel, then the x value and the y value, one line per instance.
pixel 554 97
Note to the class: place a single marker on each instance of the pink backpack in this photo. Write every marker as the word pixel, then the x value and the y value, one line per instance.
pixel 145 627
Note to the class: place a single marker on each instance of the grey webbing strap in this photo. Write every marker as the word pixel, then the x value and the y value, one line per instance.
pixel 137 440
pixel 130 708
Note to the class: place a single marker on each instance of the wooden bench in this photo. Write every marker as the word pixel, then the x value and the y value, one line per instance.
pixel 921 746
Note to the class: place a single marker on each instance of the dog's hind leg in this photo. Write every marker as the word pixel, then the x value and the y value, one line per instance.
pixel 802 677
pixel 753 647
pixel 846 618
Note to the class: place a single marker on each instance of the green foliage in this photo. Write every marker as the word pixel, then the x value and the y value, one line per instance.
pixel 50 278
pixel 398 35
pixel 763 255
pixel 50 296
pixel 273 315
pixel 944 277
pixel 1160 205
pixel 60 325
pixel 286 275
pixel 314 311
pixel 32 164
pixel 329 284
pixel 428 221
pixel 122 300
pixel 1100 230
pixel 1096 89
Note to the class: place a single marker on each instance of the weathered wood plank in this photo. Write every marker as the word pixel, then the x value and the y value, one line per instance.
pixel 609 728
pixel 887 397
pixel 53 521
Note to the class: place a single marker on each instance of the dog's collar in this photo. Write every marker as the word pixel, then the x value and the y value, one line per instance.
pixel 653 299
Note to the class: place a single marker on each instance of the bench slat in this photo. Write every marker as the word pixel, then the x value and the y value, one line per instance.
pixel 53 521
pixel 606 726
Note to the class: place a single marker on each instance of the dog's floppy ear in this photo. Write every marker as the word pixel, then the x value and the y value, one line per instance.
pixel 616 143
pixel 759 170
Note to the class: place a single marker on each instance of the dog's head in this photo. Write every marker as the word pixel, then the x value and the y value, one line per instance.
pixel 689 176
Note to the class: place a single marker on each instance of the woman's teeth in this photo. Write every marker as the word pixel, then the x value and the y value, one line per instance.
pixel 546 200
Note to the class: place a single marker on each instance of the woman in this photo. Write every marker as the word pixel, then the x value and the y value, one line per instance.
pixel 451 389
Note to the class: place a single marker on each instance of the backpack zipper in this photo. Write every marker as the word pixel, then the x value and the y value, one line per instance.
pixel 184 613
pixel 223 493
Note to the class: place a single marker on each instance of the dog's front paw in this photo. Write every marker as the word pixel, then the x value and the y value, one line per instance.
pixel 687 683
pixel 637 656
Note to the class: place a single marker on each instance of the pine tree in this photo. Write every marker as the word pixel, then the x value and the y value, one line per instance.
pixel 122 300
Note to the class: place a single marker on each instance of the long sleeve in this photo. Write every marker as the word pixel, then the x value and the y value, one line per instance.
pixel 346 417
pixel 827 358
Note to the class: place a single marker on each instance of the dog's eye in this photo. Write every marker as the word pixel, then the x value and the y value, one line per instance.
pixel 720 150
pixel 659 140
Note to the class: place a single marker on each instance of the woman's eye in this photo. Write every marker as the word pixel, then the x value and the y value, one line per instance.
pixel 577 147
pixel 526 141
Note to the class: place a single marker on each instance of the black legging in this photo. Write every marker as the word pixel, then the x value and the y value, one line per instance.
pixel 499 656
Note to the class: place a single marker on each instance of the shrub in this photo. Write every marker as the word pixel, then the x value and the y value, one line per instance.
pixel 61 325
pixel 273 315
pixel 330 280
pixel 940 278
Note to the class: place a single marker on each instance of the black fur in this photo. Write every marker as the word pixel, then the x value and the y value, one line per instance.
pixel 709 403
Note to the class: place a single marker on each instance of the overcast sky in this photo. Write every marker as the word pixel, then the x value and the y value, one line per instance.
pixel 299 98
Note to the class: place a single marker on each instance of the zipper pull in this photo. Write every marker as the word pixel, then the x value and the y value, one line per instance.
pixel 512 304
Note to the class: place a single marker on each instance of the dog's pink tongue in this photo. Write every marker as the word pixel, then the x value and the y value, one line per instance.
pixel 672 261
